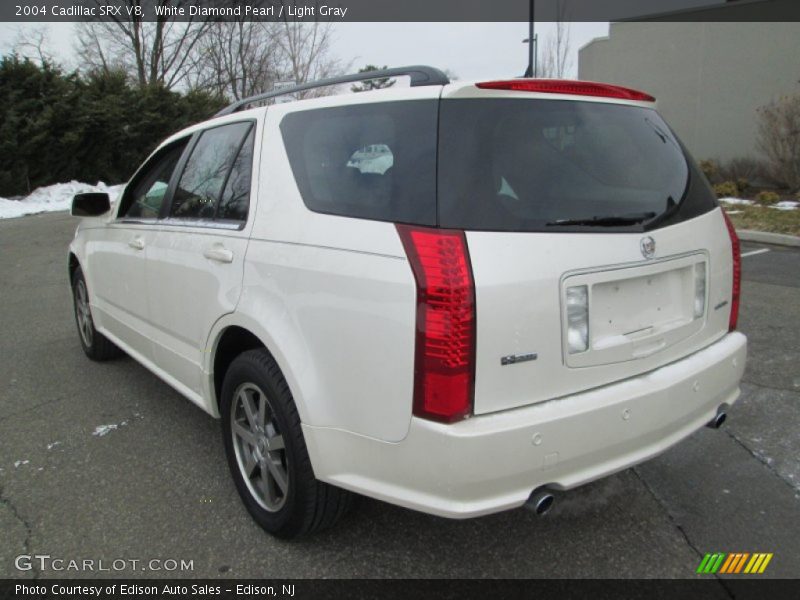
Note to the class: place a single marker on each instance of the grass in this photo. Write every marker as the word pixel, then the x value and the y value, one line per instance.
pixel 762 218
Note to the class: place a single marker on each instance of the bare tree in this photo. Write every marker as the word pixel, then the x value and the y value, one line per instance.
pixel 158 52
pixel 555 59
pixel 779 139
pixel 31 43
pixel 306 54
pixel 237 59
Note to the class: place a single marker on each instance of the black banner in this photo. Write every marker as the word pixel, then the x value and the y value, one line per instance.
pixel 419 589
pixel 400 10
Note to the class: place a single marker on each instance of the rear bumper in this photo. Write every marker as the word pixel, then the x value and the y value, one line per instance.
pixel 492 462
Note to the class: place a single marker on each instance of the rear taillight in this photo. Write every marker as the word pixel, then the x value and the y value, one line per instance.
pixel 444 362
pixel 566 86
pixel 737 272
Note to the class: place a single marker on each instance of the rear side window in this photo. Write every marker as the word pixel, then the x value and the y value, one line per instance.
pixel 235 201
pixel 206 175
pixel 536 165
pixel 371 161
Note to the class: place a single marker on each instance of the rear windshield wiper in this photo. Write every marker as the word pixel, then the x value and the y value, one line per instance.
pixel 605 221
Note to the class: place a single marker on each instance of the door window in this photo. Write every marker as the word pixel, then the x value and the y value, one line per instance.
pixel 145 194
pixel 207 173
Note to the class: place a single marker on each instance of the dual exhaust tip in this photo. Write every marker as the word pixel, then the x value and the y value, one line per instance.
pixel 542 499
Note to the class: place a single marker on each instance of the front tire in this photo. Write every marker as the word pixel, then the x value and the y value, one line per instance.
pixel 96 346
pixel 267 454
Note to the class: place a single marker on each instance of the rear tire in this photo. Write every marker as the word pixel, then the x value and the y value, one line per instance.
pixel 96 346
pixel 267 454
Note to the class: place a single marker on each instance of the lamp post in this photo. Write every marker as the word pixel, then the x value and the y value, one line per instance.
pixel 532 41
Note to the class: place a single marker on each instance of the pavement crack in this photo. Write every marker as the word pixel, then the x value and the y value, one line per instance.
pixel 762 459
pixel 28 410
pixel 674 522
pixel 26 544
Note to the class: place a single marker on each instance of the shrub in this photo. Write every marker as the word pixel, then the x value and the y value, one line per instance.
pixel 779 139
pixel 725 189
pixel 744 168
pixel 742 184
pixel 767 198
pixel 709 169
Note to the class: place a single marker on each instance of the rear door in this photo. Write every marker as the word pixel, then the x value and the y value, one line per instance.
pixel 597 249
pixel 195 261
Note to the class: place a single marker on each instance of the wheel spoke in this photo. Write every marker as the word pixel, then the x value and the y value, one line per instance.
pixel 245 399
pixel 266 485
pixel 262 411
pixel 250 463
pixel 245 434
pixel 278 474
pixel 275 443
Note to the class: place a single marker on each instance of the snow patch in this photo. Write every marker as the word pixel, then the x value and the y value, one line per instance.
pixel 19 463
pixel 53 198
pixel 53 445
pixel 736 201
pixel 102 430
pixel 786 205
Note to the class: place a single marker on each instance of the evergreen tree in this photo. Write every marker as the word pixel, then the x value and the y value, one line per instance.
pixel 373 84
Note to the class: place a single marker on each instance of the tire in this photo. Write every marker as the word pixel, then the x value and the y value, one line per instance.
pixel 96 346
pixel 267 454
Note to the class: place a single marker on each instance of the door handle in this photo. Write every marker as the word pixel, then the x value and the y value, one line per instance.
pixel 218 253
pixel 136 243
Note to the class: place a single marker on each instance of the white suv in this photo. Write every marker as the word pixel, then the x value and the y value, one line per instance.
pixel 455 297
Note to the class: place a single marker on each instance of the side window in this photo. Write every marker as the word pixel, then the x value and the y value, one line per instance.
pixel 235 199
pixel 206 172
pixel 145 195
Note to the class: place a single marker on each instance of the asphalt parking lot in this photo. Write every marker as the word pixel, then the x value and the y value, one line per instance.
pixel 156 484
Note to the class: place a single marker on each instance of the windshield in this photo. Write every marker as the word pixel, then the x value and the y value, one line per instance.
pixel 543 165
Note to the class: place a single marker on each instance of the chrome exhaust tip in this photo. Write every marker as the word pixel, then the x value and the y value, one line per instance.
pixel 717 421
pixel 540 501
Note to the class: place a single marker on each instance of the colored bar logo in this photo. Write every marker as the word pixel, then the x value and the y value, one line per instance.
pixel 734 563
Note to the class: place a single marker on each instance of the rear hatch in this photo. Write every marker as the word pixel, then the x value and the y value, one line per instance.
pixel 597 249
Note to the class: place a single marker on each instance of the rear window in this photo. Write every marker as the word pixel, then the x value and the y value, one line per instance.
pixel 370 161
pixel 545 165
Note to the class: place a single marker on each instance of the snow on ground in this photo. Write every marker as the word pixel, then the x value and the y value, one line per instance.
pixel 782 205
pixel 736 201
pixel 102 430
pixel 52 198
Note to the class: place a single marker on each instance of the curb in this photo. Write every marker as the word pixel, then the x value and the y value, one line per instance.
pixel 778 239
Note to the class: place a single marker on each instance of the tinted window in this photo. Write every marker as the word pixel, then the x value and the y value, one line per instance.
pixel 147 191
pixel 372 161
pixel 525 165
pixel 236 196
pixel 206 170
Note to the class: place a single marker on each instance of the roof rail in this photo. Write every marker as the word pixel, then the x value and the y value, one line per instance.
pixel 420 75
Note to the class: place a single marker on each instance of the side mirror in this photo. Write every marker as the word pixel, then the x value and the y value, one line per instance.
pixel 90 204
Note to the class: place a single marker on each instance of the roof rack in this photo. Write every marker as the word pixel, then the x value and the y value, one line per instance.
pixel 419 74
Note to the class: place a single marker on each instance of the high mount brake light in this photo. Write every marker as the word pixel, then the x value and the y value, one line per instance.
pixel 737 273
pixel 567 86
pixel 444 362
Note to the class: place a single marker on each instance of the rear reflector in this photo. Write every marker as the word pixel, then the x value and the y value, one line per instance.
pixel 444 362
pixel 737 273
pixel 567 86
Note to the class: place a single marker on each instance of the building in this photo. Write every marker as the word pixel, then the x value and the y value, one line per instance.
pixel 709 78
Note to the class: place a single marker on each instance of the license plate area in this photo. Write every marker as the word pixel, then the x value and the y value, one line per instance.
pixel 636 311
